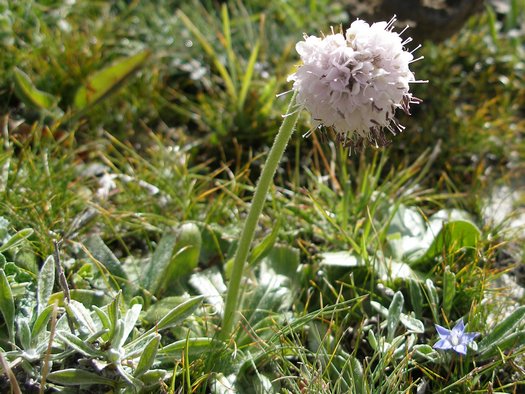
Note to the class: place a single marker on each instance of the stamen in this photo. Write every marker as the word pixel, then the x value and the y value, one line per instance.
pixel 402 31
pixel 283 93
pixel 391 22
pixel 415 49
pixel 415 60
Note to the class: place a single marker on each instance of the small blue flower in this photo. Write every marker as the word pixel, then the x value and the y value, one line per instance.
pixel 456 339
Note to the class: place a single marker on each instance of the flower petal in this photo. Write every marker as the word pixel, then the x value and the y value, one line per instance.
pixel 442 344
pixel 459 327
pixel 461 349
pixel 442 331
pixel 468 337
pixel 355 82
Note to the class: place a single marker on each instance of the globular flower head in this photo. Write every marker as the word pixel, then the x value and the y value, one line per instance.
pixel 354 83
pixel 456 339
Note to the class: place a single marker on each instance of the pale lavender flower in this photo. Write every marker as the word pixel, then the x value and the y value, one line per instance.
pixel 456 339
pixel 354 83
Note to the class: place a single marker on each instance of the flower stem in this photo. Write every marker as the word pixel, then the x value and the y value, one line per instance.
pixel 259 197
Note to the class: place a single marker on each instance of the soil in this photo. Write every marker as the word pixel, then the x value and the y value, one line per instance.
pixel 433 20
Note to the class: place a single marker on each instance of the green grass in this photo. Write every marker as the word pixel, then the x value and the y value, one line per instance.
pixel 147 190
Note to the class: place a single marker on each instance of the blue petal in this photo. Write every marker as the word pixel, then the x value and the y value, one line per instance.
pixel 442 331
pixel 442 344
pixel 468 337
pixel 460 327
pixel 461 349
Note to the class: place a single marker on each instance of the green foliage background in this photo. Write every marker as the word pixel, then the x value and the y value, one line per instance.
pixel 132 135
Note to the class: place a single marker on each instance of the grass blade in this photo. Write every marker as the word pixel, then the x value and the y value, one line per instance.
pixel 206 46
pixel 16 239
pixel 228 41
pixel 502 330
pixel 248 75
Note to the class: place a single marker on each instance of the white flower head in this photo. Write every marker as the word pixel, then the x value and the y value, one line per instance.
pixel 354 83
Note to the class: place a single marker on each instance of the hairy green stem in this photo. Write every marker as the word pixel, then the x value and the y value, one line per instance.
pixel 259 197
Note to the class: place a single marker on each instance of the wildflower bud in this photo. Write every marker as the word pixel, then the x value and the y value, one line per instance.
pixel 354 83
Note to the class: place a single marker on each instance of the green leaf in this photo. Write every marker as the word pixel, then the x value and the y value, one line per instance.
pixel 394 314
pixel 389 270
pixel 75 377
pixel 101 253
pixel 155 272
pixel 29 94
pixel 148 356
pixel 425 352
pixel 356 371
pixel 103 317
pixel 25 258
pixel 402 345
pixel 262 249
pixel 514 341
pixel 209 283
pixel 117 340
pixel 282 260
pixel 449 289
pixel 108 80
pixel 502 330
pixel 82 316
pixel 16 239
pixel 432 297
pixel 46 281
pixel 85 296
pixel 7 305
pixel 195 346
pixel 453 236
pixel 24 333
pixel 41 321
pixel 406 227
pixel 379 308
pixel 130 319
pixel 412 324
pixel 136 383
pixel 372 340
pixel 185 254
pixel 179 313
pixel 176 255
pixel 153 377
pixel 164 314
pixel 341 259
pixel 266 306
pixel 416 297
pixel 134 348
pixel 113 312
pixel 78 344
